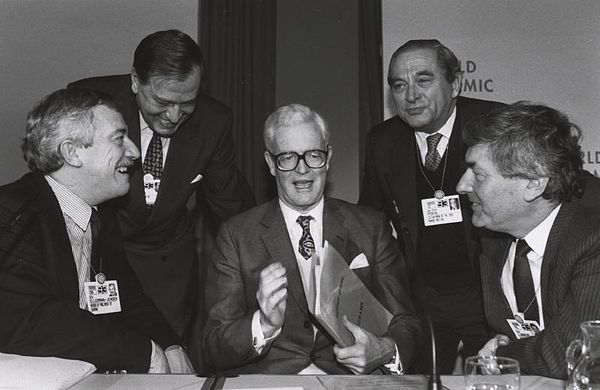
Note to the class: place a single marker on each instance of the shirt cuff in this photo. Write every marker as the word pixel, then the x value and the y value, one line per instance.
pixel 258 338
pixel 395 365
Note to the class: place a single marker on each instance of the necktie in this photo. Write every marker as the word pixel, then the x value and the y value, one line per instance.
pixel 433 158
pixel 153 163
pixel 96 226
pixel 523 283
pixel 306 246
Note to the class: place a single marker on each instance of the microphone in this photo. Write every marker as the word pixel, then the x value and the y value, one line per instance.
pixel 435 382
pixel 399 222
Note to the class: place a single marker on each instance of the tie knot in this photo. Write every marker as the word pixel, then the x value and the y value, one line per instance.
pixel 304 221
pixel 433 141
pixel 522 249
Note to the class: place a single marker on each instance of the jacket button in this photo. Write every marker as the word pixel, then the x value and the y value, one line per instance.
pixel 312 357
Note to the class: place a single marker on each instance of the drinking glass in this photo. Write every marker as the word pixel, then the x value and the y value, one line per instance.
pixel 491 373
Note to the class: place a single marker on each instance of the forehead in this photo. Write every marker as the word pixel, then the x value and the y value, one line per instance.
pixel 298 137
pixel 171 89
pixel 107 120
pixel 479 156
pixel 416 61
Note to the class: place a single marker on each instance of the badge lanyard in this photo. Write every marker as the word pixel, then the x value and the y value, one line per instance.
pixel 438 194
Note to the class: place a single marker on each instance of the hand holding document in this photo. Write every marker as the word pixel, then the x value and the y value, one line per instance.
pixel 340 292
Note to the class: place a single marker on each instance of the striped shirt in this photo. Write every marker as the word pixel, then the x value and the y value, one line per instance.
pixel 76 213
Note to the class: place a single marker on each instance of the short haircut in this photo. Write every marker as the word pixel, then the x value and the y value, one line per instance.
pixel 63 115
pixel 531 141
pixel 290 115
pixel 169 53
pixel 446 59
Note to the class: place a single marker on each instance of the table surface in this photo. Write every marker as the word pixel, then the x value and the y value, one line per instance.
pixel 288 382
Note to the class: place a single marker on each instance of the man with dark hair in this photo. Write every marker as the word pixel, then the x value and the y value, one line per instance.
pixel 413 162
pixel 187 148
pixel 60 247
pixel 259 291
pixel 541 269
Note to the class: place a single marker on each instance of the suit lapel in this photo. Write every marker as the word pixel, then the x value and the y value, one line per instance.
pixel 135 197
pixel 57 242
pixel 558 230
pixel 277 241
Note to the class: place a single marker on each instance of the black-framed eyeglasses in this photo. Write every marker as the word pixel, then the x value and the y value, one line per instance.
pixel 288 161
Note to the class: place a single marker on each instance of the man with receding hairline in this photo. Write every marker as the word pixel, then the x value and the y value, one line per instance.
pixel 413 162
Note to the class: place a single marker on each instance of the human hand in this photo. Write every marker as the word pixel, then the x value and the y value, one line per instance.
pixel 179 362
pixel 489 349
pixel 271 297
pixel 158 361
pixel 368 351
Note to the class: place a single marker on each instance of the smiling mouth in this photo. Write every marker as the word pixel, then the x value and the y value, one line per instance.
pixel 303 184
pixel 415 110
pixel 124 169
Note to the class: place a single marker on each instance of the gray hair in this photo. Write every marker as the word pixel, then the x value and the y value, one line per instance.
pixel 63 115
pixel 293 114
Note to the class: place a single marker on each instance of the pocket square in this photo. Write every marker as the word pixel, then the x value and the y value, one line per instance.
pixel 197 179
pixel 359 261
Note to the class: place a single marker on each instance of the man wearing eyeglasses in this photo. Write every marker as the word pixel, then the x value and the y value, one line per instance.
pixel 259 278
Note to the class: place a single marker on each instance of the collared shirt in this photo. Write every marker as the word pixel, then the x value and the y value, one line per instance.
pixel 445 131
pixel 295 233
pixel 146 134
pixel 76 213
pixel 536 239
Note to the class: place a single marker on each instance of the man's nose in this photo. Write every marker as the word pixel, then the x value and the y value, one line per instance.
pixel 174 113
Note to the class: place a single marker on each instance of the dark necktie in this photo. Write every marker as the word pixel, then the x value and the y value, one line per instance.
pixel 433 158
pixel 153 163
pixel 306 246
pixel 96 226
pixel 523 283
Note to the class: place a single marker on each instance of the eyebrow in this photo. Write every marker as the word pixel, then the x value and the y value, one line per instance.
pixel 425 73
pixel 161 100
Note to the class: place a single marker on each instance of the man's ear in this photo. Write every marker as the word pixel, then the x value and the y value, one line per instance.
pixel 456 85
pixel 270 163
pixel 135 81
pixel 535 188
pixel 68 151
pixel 329 154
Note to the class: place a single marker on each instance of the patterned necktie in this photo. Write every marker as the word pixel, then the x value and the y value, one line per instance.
pixel 523 283
pixel 153 163
pixel 433 158
pixel 306 246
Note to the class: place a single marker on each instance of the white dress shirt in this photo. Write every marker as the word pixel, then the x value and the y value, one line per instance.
pixel 445 131
pixel 536 239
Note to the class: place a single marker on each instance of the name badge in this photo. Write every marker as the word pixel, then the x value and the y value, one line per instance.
pixel 523 328
pixel 441 211
pixel 103 298
pixel 151 187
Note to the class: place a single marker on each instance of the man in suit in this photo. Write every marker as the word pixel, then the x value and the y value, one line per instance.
pixel 59 249
pixel 413 162
pixel 540 268
pixel 187 148
pixel 259 278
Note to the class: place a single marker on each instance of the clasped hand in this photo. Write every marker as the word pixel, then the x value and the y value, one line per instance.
pixel 368 351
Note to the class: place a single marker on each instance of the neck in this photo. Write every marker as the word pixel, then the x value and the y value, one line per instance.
pixel 536 214
pixel 68 178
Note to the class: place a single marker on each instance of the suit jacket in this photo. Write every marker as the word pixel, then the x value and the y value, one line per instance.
pixel 160 242
pixel 39 289
pixel 248 243
pixel 390 169
pixel 569 286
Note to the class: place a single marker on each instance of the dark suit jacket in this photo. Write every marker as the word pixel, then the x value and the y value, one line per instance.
pixel 39 290
pixel 390 168
pixel 160 243
pixel 570 290
pixel 248 243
